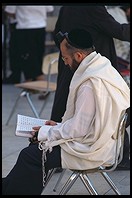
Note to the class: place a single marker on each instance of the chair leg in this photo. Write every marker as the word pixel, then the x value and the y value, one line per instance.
pixel 13 109
pixel 27 95
pixel 88 184
pixel 50 174
pixel 31 104
pixel 71 180
pixel 45 102
pixel 59 179
pixel 110 182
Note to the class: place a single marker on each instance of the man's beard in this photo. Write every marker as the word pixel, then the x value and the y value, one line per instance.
pixel 74 65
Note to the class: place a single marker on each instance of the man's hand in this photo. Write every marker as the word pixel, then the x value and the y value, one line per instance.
pixel 50 122
pixel 34 138
pixel 35 129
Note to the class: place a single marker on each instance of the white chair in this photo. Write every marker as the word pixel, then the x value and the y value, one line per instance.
pixel 45 87
pixel 83 174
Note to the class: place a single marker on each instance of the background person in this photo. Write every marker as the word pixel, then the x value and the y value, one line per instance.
pixel 11 25
pixel 122 15
pixel 29 41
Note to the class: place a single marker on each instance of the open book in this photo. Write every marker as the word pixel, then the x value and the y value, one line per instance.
pixel 25 124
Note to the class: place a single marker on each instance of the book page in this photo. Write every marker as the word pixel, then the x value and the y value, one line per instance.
pixel 25 124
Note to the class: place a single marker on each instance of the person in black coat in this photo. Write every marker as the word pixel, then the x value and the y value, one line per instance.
pixel 103 28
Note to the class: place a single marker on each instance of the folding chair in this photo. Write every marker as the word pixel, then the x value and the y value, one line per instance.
pixel 83 174
pixel 45 87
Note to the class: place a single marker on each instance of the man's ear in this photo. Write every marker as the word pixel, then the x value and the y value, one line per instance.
pixel 78 56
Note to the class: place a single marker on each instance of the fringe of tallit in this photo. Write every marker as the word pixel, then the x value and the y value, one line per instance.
pixel 42 146
pixel 47 146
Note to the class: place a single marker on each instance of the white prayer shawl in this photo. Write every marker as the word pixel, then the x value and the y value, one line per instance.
pixel 112 96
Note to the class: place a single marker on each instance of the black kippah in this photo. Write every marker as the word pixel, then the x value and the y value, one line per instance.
pixel 80 38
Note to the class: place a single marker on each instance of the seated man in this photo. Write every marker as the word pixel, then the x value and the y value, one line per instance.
pixel 85 138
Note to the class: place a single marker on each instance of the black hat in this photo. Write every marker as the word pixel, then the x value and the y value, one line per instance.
pixel 78 38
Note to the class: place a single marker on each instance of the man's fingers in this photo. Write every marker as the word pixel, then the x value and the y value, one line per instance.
pixel 36 128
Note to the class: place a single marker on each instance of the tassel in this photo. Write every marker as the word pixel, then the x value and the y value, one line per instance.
pixel 42 146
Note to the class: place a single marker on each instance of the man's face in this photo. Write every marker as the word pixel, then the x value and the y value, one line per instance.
pixel 69 59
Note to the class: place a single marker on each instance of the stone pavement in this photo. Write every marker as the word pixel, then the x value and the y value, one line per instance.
pixel 12 145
